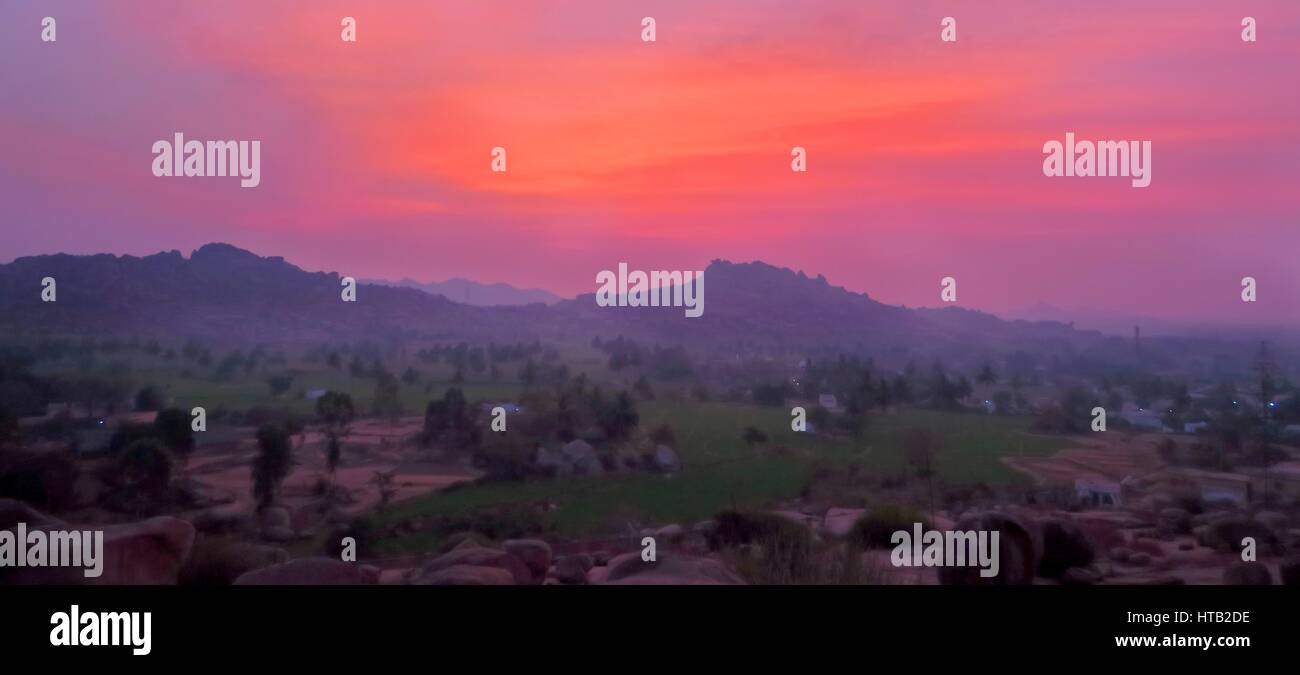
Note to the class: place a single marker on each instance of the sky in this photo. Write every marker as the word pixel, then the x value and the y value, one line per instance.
pixel 924 157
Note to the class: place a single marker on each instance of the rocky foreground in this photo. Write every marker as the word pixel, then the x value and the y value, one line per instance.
pixel 1150 543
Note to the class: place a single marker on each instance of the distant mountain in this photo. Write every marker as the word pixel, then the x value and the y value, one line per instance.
pixel 762 304
pixel 1122 324
pixel 471 292
pixel 222 293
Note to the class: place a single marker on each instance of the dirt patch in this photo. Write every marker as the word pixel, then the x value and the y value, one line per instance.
pixel 1107 458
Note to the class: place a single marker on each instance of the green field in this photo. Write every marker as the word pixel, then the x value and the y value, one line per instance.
pixel 721 471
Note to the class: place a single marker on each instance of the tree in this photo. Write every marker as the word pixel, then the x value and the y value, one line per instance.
pixel 770 394
pixel 145 468
pixel 619 417
pixel 280 383
pixel 172 428
pixel 387 403
pixel 272 464
pixel 643 389
pixel 384 483
pixel 902 391
pixel 664 435
pixel 449 422
pixel 1002 402
pixel 919 449
pixel 150 398
pixel 335 409
pixel 986 375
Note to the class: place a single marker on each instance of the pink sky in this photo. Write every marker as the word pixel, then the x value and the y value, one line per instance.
pixel 924 157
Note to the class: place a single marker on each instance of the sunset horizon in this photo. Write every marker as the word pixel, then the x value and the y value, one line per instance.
pixel 923 161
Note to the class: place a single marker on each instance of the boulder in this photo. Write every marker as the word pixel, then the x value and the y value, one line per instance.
pixel 581 458
pixel 551 462
pixel 476 556
pixel 672 534
pixel 572 569
pixel 13 511
pixel 630 569
pixel 665 459
pixel 597 575
pixel 1080 576
pixel 705 527
pixel 275 516
pixel 277 534
pixel 535 553
pixel 1226 534
pixel 1273 520
pixel 311 572
pixel 149 552
pixel 1247 574
pixel 224 521
pixel 468 575
pixel 1064 547
pixel 219 562
pixel 1019 547
pixel 1173 521
pixel 838 522
pixel 1289 571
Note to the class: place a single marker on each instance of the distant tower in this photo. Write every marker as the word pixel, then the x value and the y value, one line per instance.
pixel 1137 340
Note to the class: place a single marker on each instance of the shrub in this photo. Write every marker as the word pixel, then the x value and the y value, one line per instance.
pixel 46 480
pixel 150 398
pixel 874 528
pixel 145 467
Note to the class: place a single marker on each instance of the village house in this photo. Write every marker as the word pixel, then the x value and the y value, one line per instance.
pixel 1098 493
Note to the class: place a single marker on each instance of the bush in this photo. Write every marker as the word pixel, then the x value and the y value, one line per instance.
pixel 272 464
pixel 217 561
pixel 128 434
pixel 145 467
pixel 45 480
pixel 150 398
pixel 874 528
pixel 664 435
pixel 738 527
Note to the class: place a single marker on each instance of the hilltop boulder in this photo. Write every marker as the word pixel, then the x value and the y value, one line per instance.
pixel 673 570
pixel 1019 547
pixel 311 572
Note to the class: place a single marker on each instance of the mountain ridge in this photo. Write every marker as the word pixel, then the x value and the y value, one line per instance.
pixel 226 293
